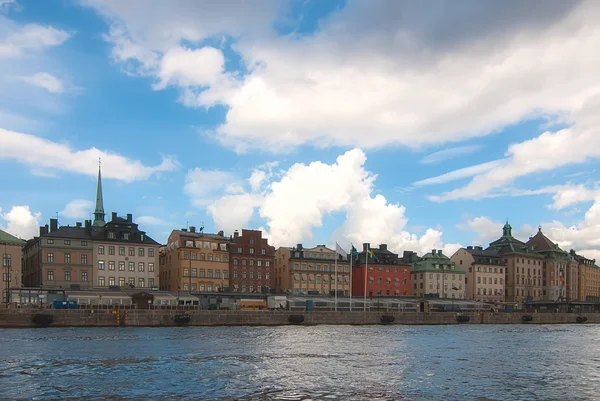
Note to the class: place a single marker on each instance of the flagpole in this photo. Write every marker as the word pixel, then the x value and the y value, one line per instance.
pixel 350 292
pixel 366 268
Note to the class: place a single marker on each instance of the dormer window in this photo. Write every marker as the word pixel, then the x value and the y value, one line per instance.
pixel 111 235
pixel 126 236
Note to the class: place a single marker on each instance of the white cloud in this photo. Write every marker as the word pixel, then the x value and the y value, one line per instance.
pixel 46 81
pixel 204 186
pixel 388 73
pixel 450 153
pixel 21 222
pixel 16 42
pixel 78 209
pixel 39 153
pixel 466 172
pixel 150 221
pixel 298 201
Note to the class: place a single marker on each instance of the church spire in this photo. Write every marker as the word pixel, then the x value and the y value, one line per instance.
pixel 99 212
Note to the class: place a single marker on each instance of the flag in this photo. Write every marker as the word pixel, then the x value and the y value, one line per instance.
pixel 340 251
pixel 371 254
pixel 353 250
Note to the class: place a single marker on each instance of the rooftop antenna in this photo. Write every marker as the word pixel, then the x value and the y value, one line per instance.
pixel 187 225
pixel 56 219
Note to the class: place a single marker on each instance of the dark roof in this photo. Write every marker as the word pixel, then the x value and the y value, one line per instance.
pixel 137 236
pixel 70 232
pixel 478 253
pixel 201 235
pixel 542 243
pixel 509 245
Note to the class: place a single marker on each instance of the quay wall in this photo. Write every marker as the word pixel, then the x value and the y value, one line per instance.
pixel 15 318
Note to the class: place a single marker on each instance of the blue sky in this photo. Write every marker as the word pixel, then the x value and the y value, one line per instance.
pixel 315 121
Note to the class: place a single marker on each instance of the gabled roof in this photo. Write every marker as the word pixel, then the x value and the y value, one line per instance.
pixel 541 242
pixel 509 245
pixel 6 238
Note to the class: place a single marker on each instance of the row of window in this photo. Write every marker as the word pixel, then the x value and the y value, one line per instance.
pixel 141 251
pixel 437 286
pixel 439 276
pixel 317 279
pixel 202 287
pixel 489 280
pixel 66 242
pixel 141 282
pixel 387 292
pixel 68 276
pixel 317 267
pixel 206 244
pixel 486 269
pixel 249 288
pixel 205 273
pixel 388 281
pixel 251 250
pixel 484 291
pixel 131 265
pixel 250 275
pixel 539 262
pixel 66 258
pixel 387 270
pixel 259 263
pixel 217 257
pixel 316 255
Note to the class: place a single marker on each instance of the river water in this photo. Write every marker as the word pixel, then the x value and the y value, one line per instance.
pixel 471 362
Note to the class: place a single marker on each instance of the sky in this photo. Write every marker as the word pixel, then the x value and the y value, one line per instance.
pixel 317 122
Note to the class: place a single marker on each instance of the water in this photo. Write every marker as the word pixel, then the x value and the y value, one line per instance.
pixel 480 363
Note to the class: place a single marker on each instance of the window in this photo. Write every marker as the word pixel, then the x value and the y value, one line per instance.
pixel 122 250
pixel 202 256
pixel 100 249
pixel 50 241
pixel 225 258
pixel 131 251
pixel 111 250
pixel 194 256
pixel 251 275
pixel 111 235
pixel 151 283
pixel 243 273
pixel 259 263
pixel 101 282
pixel 84 276
pixel 67 258
pixel 235 262
pixel 218 258
pixel 209 287
pixel 217 273
pixel 67 242
pixel 186 272
pixel 131 280
pixel 210 256
pixel 141 252
pixel 210 273
pixel 111 265
pixel 151 267
pixel 235 274
pixel 259 275
pixel 83 243
pixel 202 273
pixel 131 266
pixel 100 265
pixel 126 236
pixel 151 252
pixel 50 257
pixel 111 281
pixel 122 281
pixel 251 262
pixel 268 263
pixel 243 262
pixel 225 274
pixel 121 266
pixel 141 266
pixel 252 250
pixel 141 283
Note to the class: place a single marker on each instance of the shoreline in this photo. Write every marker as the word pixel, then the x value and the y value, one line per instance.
pixel 32 318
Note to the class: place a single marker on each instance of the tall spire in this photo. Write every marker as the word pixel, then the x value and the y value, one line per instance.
pixel 99 212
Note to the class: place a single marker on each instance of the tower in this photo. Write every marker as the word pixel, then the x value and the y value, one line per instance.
pixel 99 212
pixel 507 230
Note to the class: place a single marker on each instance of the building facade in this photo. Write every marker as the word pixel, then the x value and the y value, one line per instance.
pixel 61 257
pixel 484 274
pixel 194 262
pixel 435 274
pixel 382 271
pixel 302 270
pixel 11 249
pixel 251 262
pixel 589 278
pixel 523 273
pixel 124 256
pixel 559 270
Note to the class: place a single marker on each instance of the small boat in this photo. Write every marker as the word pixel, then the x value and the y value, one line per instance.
pixel 387 319
pixel 526 318
pixel 462 318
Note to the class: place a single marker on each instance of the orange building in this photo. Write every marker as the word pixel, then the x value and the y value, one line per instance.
pixel 194 261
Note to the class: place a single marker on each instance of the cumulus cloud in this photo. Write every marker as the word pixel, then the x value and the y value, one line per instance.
pixel 78 209
pixel 486 229
pixel 39 153
pixel 15 42
pixel 204 186
pixel 46 81
pixel 296 202
pixel 21 222
pixel 389 69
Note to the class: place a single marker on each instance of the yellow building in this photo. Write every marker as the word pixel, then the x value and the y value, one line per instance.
pixel 194 261
pixel 589 278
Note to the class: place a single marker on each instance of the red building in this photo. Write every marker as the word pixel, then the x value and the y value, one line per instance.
pixel 387 275
pixel 251 261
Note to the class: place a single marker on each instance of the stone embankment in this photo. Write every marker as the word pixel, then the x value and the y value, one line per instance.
pixel 14 318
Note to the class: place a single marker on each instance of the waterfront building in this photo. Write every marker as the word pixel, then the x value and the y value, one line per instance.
pixel 124 256
pixel 523 273
pixel 589 278
pixel 251 262
pixel 387 275
pixel 11 249
pixel 436 274
pixel 484 273
pixel 559 270
pixel 194 261
pixel 302 270
pixel 61 257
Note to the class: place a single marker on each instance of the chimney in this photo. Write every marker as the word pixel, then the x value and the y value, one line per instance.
pixel 192 229
pixel 383 247
pixel 43 230
pixel 184 230
pixel 366 246
pixel 130 217
pixel 469 247
pixel 114 216
pixel 236 234
pixel 53 225
pixel 78 224
pixel 88 224
pixel 221 233
pixel 299 247
pixel 433 252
